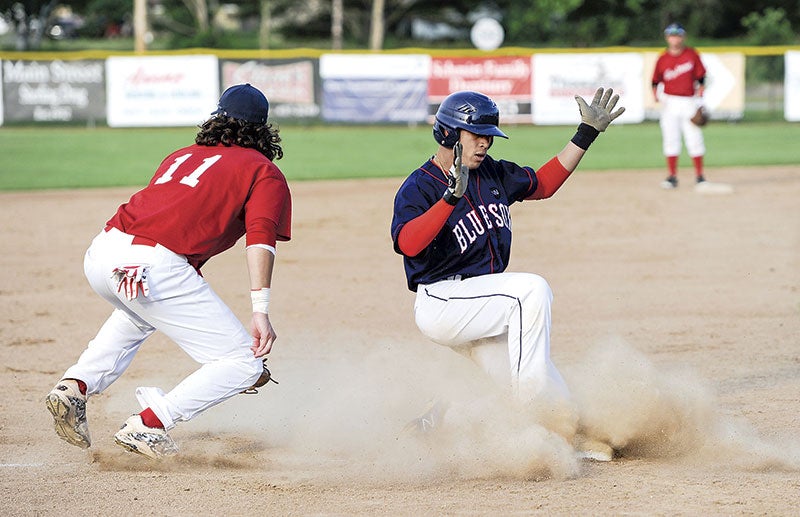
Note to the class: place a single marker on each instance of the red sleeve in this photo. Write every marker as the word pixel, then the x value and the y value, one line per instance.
pixel 267 233
pixel 416 234
pixel 551 176
pixel 268 212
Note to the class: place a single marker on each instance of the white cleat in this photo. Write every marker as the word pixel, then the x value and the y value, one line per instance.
pixel 152 442
pixel 68 406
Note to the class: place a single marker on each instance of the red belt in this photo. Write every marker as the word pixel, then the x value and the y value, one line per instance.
pixel 141 241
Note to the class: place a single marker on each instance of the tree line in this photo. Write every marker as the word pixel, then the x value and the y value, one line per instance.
pixel 383 24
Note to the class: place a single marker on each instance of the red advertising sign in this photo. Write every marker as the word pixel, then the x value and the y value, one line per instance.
pixel 506 79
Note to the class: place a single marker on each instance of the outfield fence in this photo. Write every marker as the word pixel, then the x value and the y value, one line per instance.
pixel 531 86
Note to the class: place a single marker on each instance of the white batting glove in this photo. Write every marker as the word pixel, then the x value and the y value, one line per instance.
pixel 458 177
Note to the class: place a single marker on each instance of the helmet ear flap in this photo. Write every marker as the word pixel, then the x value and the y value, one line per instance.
pixel 444 135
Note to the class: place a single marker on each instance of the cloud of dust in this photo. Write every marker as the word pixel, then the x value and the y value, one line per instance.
pixel 649 411
pixel 343 416
pixel 351 410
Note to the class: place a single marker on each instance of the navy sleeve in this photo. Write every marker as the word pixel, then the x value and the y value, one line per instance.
pixel 519 182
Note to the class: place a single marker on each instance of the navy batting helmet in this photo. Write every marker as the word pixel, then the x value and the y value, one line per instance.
pixel 472 111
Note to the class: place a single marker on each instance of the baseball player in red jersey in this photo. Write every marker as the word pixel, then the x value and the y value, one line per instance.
pixel 146 262
pixel 452 225
pixel 682 74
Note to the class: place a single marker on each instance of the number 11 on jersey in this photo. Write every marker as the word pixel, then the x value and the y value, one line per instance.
pixel 192 179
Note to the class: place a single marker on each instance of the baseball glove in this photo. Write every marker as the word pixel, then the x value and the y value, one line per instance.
pixel 265 377
pixel 700 117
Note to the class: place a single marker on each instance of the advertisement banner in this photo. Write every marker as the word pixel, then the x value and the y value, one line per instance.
pixel 791 96
pixel 161 90
pixel 54 91
pixel 724 92
pixel 289 84
pixel 558 78
pixel 506 79
pixel 368 88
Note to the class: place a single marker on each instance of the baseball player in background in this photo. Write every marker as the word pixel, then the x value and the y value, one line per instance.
pixel 682 74
pixel 146 262
pixel 452 225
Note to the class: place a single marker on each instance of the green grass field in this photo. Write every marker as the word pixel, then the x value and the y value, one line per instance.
pixel 77 157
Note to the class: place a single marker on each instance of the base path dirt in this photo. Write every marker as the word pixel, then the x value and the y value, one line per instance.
pixel 676 323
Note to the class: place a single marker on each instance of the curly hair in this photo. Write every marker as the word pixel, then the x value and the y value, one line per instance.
pixel 229 131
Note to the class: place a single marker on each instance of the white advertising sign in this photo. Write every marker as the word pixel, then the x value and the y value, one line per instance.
pixel 161 90
pixel 791 89
pixel 720 81
pixel 558 78
pixel 375 88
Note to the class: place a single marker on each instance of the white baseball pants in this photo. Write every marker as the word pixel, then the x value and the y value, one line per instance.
pixel 180 304
pixel 458 313
pixel 676 112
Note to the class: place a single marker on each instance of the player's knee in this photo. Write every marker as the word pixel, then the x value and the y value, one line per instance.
pixel 251 369
pixel 538 288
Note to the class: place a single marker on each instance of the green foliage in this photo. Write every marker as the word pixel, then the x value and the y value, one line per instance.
pixel 615 22
pixel 211 39
pixel 770 27
pixel 544 23
pixel 699 17
pixel 78 157
pixel 538 23
pixel 100 14
pixel 614 30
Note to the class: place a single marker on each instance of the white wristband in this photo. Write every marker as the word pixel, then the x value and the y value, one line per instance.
pixel 260 299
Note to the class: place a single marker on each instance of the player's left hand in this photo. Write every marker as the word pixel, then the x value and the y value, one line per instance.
pixel 599 114
pixel 263 334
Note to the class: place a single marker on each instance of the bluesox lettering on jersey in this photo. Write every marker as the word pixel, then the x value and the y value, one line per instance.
pixel 479 225
pixel 468 228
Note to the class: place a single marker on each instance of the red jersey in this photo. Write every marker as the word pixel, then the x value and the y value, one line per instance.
pixel 202 199
pixel 679 73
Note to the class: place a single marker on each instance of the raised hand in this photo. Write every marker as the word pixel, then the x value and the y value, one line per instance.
pixel 599 114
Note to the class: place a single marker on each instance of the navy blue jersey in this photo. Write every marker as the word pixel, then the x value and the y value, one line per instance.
pixel 476 239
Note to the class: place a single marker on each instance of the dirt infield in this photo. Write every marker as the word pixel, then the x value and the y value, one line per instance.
pixel 676 324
